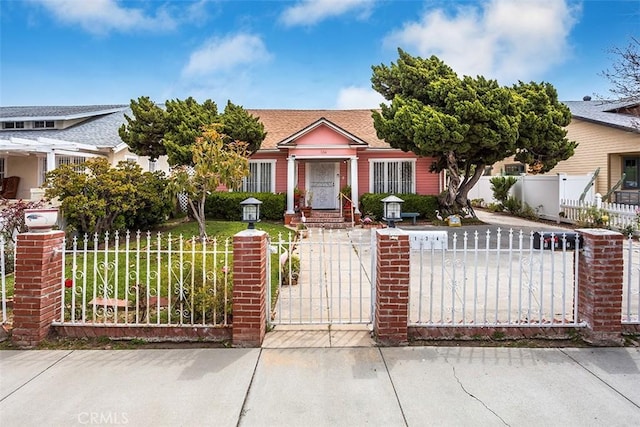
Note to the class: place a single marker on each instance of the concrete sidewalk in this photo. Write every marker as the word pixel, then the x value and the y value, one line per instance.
pixel 347 386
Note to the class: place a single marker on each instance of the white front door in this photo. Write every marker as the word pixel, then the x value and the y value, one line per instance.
pixel 322 185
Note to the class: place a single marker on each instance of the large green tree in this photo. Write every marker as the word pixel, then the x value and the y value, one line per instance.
pixel 467 123
pixel 172 131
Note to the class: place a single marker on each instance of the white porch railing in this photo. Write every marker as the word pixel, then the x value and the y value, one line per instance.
pixel 146 280
pixel 481 279
pixel 631 285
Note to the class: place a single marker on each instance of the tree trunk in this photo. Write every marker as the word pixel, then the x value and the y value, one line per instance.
pixel 462 198
pixel 448 199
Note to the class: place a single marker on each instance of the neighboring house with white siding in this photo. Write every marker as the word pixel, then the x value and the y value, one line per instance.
pixel 34 140
pixel 608 137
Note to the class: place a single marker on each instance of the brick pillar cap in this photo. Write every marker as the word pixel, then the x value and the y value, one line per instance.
pixel 250 233
pixel 597 232
pixel 391 232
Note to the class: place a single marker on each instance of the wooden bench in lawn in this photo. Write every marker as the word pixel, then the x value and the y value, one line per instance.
pixel 412 215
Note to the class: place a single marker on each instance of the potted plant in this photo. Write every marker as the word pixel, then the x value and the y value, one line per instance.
pixel 40 219
pixel 306 208
pixel 298 198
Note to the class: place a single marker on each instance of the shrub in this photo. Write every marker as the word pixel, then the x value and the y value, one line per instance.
pixel 226 205
pixel 513 205
pixel 426 206
pixel 500 185
pixel 99 198
pixel 153 204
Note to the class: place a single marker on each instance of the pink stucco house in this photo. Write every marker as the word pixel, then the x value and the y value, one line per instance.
pixel 315 151
pixel 321 151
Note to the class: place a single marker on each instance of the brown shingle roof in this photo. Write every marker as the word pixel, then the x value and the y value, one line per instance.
pixel 281 124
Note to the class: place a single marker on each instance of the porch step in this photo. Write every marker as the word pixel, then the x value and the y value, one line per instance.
pixel 324 219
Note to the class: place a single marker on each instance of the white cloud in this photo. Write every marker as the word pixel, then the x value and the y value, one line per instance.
pixel 220 55
pixel 102 16
pixel 309 12
pixel 353 98
pixel 503 39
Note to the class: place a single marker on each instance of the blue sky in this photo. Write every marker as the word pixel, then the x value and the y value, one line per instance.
pixel 294 54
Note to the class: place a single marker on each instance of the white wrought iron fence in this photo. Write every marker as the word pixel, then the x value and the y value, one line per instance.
pixel 3 281
pixel 631 285
pixel 500 279
pixel 145 279
pixel 324 277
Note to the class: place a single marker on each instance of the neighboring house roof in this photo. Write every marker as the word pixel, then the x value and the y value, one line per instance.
pixel 606 113
pixel 282 124
pixel 100 129
pixel 58 112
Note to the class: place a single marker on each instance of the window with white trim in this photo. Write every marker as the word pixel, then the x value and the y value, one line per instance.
pixel 12 125
pixel 43 124
pixel 3 170
pixel 393 176
pixel 153 164
pixel 261 177
pixel 76 162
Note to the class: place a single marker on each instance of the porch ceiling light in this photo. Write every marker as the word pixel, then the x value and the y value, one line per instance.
pixel 251 211
pixel 392 210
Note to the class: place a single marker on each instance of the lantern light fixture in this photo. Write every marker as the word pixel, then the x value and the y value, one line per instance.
pixel 392 210
pixel 251 211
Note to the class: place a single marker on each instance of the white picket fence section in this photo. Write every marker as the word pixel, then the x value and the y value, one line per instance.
pixel 480 279
pixel 146 280
pixel 631 284
pixel 618 216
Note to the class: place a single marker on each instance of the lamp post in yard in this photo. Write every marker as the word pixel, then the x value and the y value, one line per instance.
pixel 392 210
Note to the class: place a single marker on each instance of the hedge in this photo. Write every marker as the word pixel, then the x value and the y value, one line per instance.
pixel 371 204
pixel 226 206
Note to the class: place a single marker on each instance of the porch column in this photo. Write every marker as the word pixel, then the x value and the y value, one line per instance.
pixel 354 185
pixel 51 160
pixel 291 170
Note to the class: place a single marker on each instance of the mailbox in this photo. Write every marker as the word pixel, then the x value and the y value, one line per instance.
pixel 556 240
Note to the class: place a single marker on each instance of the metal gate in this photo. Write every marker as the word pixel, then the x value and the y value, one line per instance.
pixel 324 277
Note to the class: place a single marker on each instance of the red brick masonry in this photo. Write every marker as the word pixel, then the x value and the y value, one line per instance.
pixel 392 287
pixel 249 288
pixel 37 293
pixel 600 277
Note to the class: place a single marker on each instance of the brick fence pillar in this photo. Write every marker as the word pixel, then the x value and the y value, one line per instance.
pixel 37 290
pixel 249 288
pixel 392 287
pixel 600 280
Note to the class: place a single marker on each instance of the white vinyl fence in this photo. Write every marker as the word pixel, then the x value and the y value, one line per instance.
pixel 500 279
pixel 543 193
pixel 146 280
